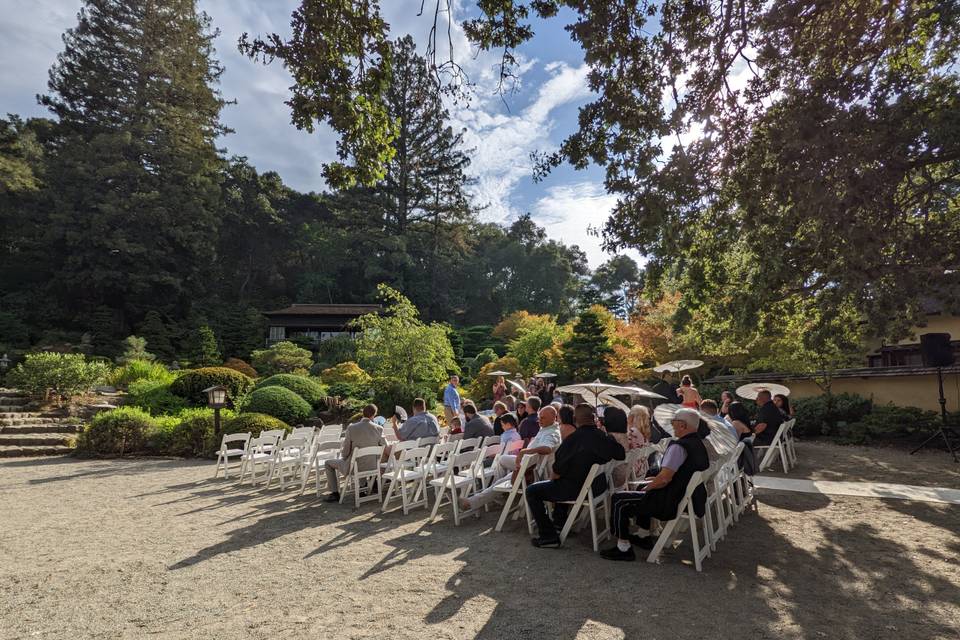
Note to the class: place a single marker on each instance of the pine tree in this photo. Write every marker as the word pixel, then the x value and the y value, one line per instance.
pixel 585 353
pixel 136 167
pixel 155 331
pixel 206 352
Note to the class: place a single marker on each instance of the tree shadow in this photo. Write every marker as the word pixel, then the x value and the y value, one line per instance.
pixel 104 467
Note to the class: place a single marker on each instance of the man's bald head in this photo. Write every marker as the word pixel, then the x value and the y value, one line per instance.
pixel 548 416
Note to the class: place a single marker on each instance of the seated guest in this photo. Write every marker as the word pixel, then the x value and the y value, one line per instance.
pixel 510 434
pixel 477 426
pixel 520 409
pixel 565 416
pixel 615 423
pixel 530 424
pixel 544 443
pixel 783 404
pixel 684 456
pixel 359 434
pixel 511 402
pixel 456 426
pixel 422 424
pixel 739 419
pixel 573 459
pixel 725 399
pixel 499 410
pixel 768 421
pixel 710 408
pixel 638 434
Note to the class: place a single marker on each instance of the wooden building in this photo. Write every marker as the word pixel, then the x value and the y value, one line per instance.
pixel 315 321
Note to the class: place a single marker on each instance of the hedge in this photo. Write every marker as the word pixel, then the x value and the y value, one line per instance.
pixel 242 366
pixel 307 388
pixel 155 397
pixel 280 403
pixel 254 423
pixel 117 432
pixel 190 384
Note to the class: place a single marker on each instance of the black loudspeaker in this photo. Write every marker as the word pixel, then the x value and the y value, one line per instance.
pixel 936 350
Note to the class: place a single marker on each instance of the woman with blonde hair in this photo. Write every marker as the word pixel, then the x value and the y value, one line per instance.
pixel 638 434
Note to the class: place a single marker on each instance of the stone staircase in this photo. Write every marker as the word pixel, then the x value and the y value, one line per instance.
pixel 24 432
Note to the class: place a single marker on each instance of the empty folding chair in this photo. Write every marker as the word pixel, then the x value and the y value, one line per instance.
pixel 239 442
pixel 368 477
pixel 439 458
pixel 685 516
pixel 592 502
pixel 467 444
pixel 288 459
pixel 790 442
pixel 276 434
pixel 408 479
pixel 453 486
pixel 259 453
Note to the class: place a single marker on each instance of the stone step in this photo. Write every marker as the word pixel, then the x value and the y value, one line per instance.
pixel 12 403
pixel 40 428
pixel 22 452
pixel 18 414
pixel 7 422
pixel 34 439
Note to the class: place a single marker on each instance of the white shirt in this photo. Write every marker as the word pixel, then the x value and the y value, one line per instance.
pixel 546 437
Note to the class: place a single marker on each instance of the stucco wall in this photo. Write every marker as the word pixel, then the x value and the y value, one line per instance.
pixel 908 391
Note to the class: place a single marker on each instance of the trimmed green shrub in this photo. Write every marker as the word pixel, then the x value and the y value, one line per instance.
pixel 333 351
pixel 190 384
pixel 307 388
pixel 887 422
pixel 821 414
pixel 283 357
pixel 155 397
pixel 254 423
pixel 242 366
pixel 63 374
pixel 137 370
pixel 278 402
pixel 194 434
pixel 346 372
pixel 117 432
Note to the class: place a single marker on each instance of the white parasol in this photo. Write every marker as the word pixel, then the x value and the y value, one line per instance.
pixel 518 387
pixel 545 375
pixel 676 366
pixel 721 437
pixel 608 399
pixel 499 373
pixel 592 391
pixel 752 390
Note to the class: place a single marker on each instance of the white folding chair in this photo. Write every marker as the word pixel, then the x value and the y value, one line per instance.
pixel 776 449
pixel 483 472
pixel 465 444
pixel 685 515
pixel 259 453
pixel 226 451
pixel 790 442
pixel 334 431
pixel 368 478
pixel 408 478
pixel 516 490
pixel 307 433
pixel 427 441
pixel 289 457
pixel 276 434
pixel 439 457
pixel 592 502
pixel 454 485
pixel 322 451
pixel 454 437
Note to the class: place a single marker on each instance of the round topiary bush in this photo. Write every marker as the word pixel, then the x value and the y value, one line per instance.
pixel 190 384
pixel 278 402
pixel 117 432
pixel 242 366
pixel 307 388
pixel 254 423
pixel 155 397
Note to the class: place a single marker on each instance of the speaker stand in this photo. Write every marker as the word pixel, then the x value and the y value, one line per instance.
pixel 945 431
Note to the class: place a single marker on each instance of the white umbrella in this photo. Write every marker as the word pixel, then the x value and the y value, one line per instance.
pixel 499 373
pixel 592 391
pixel 518 387
pixel 721 437
pixel 676 366
pixel 752 390
pixel 608 399
pixel 545 375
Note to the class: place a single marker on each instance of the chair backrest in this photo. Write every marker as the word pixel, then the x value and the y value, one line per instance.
pixel 544 466
pixel 491 451
pixel 293 444
pixel 331 429
pixel 427 441
pixel 257 444
pixel 307 433
pixel 406 445
pixel 390 436
pixel 455 437
pixel 234 437
pixel 276 434
pixel 489 440
pixel 467 443
pixel 442 452
pixel 413 459
pixel 364 452
pixel 327 445
pixel 463 462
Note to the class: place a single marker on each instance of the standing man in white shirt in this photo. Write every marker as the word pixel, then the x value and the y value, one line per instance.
pixel 451 399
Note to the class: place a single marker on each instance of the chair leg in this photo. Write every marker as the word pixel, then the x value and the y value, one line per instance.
pixel 666 534
pixel 593 527
pixel 506 511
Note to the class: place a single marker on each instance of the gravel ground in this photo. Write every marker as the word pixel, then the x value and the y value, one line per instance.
pixel 155 548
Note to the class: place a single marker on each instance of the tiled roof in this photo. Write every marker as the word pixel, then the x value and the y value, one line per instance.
pixel 325 310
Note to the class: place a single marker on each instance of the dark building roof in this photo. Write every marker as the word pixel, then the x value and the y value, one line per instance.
pixel 325 310
pixel 860 372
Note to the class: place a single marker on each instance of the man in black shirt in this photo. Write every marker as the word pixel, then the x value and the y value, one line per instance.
pixel 768 420
pixel 573 459
pixel 667 390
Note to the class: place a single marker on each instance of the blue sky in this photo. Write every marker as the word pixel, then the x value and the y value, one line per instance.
pixel 502 132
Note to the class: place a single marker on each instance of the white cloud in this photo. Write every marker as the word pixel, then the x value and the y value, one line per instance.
pixel 575 213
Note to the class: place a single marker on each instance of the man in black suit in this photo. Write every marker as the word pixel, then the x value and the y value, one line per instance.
pixel 768 420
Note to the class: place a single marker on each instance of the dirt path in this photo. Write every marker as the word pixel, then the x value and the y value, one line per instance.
pixel 154 548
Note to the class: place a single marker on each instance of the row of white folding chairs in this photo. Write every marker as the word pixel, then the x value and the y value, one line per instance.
pixel 264 449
